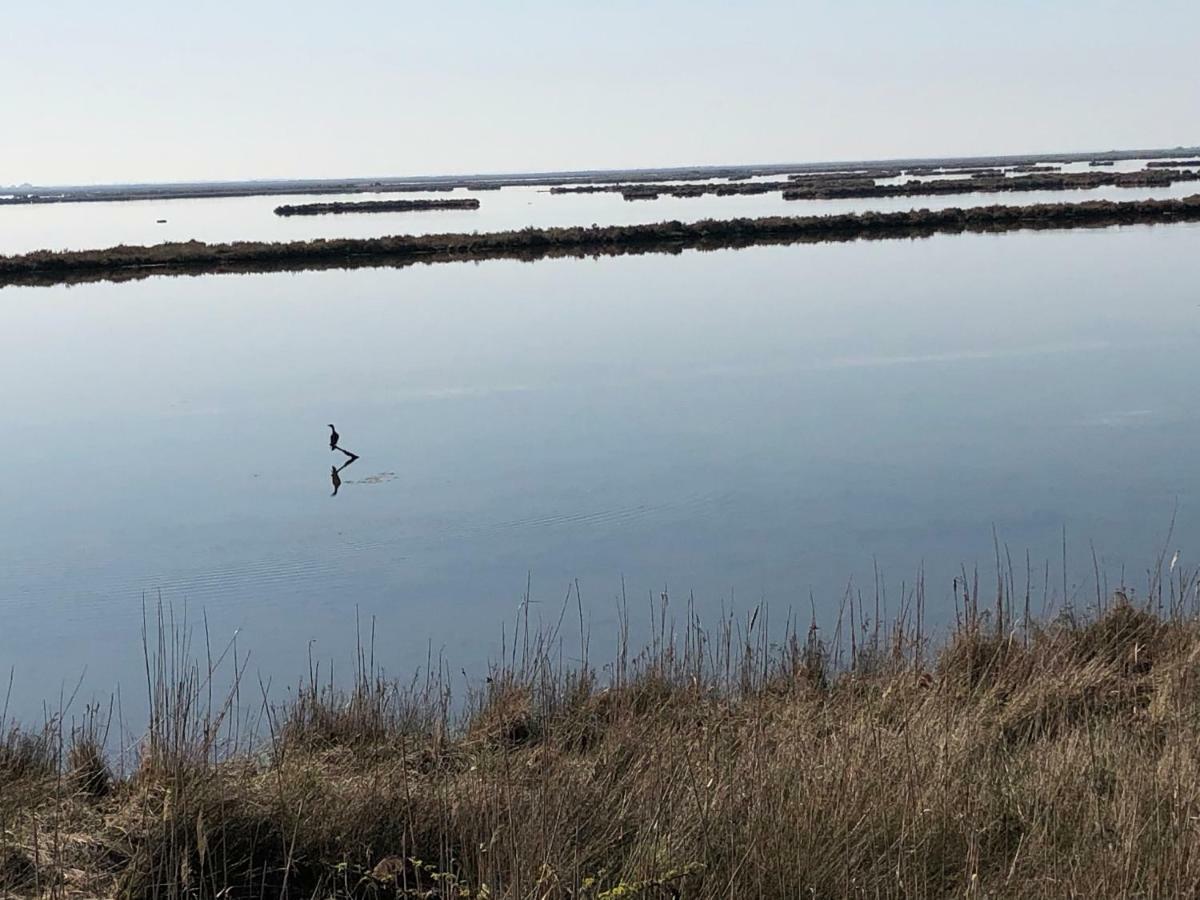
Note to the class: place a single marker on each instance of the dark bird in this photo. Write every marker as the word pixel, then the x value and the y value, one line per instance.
pixel 333 438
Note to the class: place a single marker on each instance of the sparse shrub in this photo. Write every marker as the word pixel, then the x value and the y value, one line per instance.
pixel 26 755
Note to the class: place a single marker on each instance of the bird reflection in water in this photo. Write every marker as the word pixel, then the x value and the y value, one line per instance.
pixel 335 472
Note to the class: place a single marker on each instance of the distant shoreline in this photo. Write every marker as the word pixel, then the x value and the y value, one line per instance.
pixel 24 195
pixel 197 258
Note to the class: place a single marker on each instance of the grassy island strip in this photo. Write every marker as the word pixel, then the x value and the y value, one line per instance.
pixel 1035 181
pixel 722 188
pixel 374 206
pixel 195 257
pixel 1011 759
pixel 859 185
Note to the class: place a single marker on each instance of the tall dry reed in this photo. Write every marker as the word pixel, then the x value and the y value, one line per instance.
pixel 1017 756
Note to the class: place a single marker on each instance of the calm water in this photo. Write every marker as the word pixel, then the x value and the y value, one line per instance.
pixel 739 424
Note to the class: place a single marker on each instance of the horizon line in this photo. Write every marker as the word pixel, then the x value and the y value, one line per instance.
pixel 1070 156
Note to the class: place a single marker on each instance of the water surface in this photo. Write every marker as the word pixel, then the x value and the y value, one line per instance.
pixel 744 425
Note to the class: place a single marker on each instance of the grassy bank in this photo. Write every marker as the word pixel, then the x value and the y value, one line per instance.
pixel 1015 758
pixel 195 257
pixel 373 206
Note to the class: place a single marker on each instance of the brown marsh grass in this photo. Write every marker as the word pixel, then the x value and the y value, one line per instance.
pixel 1015 756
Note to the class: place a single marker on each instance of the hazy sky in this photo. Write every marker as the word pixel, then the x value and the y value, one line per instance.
pixel 134 90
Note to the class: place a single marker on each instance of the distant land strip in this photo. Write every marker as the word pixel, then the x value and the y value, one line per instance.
pixel 197 258
pixel 27 194
pixel 374 206
pixel 841 186
pixel 1036 181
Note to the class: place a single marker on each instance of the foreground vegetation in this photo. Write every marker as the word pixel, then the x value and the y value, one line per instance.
pixel 196 257
pixel 1014 758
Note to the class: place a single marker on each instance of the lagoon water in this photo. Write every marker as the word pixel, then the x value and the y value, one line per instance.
pixel 75 226
pixel 759 424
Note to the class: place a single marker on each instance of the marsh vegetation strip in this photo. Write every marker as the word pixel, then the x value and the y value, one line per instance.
pixel 1038 181
pixel 1011 758
pixel 866 185
pixel 723 188
pixel 375 206
pixel 195 257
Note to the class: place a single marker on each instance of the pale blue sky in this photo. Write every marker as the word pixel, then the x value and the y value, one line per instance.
pixel 137 90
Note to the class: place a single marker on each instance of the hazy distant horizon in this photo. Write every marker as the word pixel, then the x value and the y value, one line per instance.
pixel 153 93
pixel 1189 148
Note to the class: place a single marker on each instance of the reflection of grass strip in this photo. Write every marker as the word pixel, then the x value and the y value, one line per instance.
pixel 195 257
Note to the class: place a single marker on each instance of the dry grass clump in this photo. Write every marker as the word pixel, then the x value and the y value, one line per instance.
pixel 1016 758
pixel 26 755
